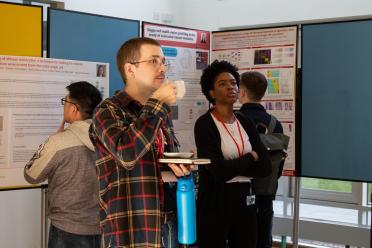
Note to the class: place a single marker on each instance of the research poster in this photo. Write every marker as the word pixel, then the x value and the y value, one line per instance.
pixel 30 105
pixel 187 51
pixel 273 52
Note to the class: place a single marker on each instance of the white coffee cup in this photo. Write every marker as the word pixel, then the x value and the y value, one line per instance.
pixel 180 89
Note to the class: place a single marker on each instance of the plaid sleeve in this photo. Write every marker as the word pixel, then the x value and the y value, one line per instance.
pixel 128 141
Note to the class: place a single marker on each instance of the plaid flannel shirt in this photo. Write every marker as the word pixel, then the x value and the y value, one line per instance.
pixel 131 189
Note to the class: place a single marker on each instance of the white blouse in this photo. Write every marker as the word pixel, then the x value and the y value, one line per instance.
pixel 228 146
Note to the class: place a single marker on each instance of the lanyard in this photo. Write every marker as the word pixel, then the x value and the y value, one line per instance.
pixel 160 142
pixel 240 133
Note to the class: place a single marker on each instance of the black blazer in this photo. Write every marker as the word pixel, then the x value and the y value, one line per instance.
pixel 213 177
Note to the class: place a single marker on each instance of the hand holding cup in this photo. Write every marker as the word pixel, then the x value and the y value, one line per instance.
pixel 180 89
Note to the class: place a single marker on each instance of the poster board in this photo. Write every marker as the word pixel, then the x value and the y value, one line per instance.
pixel 30 106
pixel 188 52
pixel 273 52
pixel 336 133
pixel 83 36
pixel 21 29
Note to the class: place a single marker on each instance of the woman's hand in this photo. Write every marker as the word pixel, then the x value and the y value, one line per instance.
pixel 254 155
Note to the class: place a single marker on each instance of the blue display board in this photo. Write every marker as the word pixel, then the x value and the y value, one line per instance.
pixel 83 36
pixel 336 129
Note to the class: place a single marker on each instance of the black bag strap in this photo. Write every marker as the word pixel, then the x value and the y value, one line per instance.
pixel 239 113
pixel 271 127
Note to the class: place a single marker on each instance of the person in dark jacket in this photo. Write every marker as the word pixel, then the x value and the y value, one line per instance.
pixel 253 86
pixel 226 212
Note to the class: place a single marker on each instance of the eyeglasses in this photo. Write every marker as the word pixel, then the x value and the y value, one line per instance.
pixel 63 102
pixel 156 62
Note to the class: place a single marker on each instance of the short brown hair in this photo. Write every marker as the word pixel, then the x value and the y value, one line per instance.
pixel 130 52
pixel 255 83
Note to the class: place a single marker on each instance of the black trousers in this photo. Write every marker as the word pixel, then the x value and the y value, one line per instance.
pixel 236 227
pixel 241 220
pixel 265 221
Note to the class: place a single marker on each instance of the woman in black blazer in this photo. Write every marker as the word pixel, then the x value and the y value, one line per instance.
pixel 226 212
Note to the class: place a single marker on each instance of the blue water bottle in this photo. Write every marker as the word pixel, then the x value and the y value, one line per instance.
pixel 186 211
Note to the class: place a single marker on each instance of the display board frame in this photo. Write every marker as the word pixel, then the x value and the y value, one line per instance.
pixel 302 173
pixel 40 53
pixel 116 81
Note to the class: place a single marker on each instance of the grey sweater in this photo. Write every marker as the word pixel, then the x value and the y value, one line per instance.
pixel 67 160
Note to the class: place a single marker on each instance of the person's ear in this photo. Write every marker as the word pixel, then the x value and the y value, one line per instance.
pixel 129 69
pixel 212 94
pixel 242 92
pixel 75 109
pixel 76 114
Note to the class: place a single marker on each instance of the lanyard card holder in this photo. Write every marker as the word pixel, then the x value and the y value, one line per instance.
pixel 251 198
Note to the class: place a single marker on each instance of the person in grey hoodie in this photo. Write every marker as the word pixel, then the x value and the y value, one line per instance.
pixel 67 160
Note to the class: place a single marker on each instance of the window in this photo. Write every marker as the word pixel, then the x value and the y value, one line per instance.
pixel 369 192
pixel 330 190
pixel 325 184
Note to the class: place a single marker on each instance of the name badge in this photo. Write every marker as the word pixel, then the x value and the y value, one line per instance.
pixel 250 200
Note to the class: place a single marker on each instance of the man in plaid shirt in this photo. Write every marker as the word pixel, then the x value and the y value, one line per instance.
pixel 129 131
